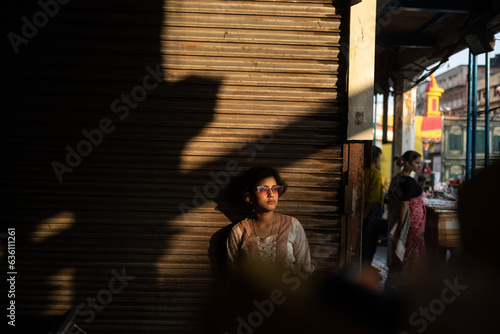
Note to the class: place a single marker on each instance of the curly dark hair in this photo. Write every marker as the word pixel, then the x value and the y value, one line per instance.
pixel 253 175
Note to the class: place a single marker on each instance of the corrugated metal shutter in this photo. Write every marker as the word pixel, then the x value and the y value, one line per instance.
pixel 245 83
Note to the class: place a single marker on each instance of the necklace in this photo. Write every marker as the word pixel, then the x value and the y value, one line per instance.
pixel 272 226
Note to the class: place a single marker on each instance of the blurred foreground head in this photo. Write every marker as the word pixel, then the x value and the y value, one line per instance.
pixel 479 203
pixel 262 298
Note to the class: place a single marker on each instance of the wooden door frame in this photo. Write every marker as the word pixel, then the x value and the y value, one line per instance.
pixel 353 166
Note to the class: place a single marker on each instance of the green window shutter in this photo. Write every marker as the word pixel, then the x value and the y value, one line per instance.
pixel 496 143
pixel 455 142
pixel 480 141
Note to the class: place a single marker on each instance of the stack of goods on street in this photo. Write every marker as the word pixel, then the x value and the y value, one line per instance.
pixel 442 224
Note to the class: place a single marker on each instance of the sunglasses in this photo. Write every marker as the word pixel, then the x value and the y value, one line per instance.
pixel 264 190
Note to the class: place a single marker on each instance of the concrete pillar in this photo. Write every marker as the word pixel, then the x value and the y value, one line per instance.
pixel 361 70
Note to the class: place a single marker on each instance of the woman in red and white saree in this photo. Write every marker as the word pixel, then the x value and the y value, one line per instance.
pixel 405 246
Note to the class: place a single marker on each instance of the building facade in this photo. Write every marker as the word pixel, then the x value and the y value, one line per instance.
pixel 454 146
pixel 494 94
pixel 453 102
pixel 448 156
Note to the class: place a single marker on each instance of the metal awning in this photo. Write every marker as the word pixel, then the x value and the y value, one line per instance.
pixel 412 35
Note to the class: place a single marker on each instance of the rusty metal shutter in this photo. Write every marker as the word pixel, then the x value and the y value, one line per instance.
pixel 131 221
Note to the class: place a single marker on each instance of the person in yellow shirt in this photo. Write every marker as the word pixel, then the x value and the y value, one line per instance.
pixel 373 207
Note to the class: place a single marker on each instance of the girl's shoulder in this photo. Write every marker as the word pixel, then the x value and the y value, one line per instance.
pixel 240 226
pixel 402 180
pixel 410 187
pixel 409 178
pixel 243 221
pixel 294 222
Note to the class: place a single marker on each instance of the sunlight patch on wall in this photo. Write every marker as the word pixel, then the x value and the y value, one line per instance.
pixel 189 240
pixel 52 226
pixel 61 287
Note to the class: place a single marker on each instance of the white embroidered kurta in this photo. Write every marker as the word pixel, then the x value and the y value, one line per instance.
pixel 242 244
